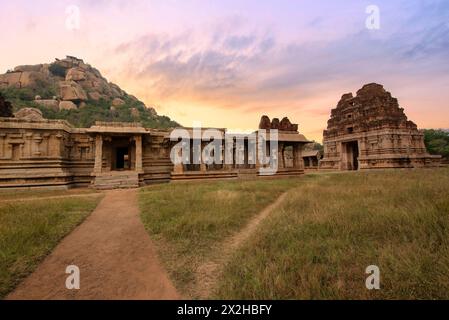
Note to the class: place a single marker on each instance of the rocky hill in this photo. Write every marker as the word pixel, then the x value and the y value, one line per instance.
pixel 74 90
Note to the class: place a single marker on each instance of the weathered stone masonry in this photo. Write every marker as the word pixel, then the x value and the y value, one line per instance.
pixel 36 152
pixel 371 131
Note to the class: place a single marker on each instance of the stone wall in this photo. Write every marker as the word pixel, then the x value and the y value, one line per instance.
pixel 43 153
pixel 36 152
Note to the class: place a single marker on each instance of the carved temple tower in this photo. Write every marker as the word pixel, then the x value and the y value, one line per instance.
pixel 371 131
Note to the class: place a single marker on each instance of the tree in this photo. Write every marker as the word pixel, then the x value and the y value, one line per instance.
pixel 57 70
pixel 437 141
pixel 5 107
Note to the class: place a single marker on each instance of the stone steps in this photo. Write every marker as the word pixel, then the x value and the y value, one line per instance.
pixel 115 180
pixel 203 175
pixel 283 172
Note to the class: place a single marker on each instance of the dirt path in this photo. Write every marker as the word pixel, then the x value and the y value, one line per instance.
pixel 115 255
pixel 209 272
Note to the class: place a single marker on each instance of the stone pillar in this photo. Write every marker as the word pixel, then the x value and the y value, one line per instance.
pixel 35 147
pixel 228 145
pixel 138 140
pixel 203 167
pixel 298 162
pixel 2 145
pixel 179 167
pixel 98 153
pixel 258 164
pixel 281 163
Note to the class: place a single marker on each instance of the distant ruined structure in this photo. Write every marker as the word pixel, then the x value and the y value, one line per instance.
pixel 371 131
pixel 283 125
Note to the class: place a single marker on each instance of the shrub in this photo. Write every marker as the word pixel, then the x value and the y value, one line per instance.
pixel 57 70
pixel 437 142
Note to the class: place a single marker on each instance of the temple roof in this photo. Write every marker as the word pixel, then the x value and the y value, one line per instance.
pixel 372 108
pixel 118 128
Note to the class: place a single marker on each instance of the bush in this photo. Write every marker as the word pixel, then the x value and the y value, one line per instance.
pixel 57 70
pixel 437 142
pixel 12 93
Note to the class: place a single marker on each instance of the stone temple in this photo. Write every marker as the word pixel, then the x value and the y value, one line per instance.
pixel 37 152
pixel 371 131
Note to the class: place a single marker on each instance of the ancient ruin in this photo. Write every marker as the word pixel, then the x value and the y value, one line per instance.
pixel 371 131
pixel 311 159
pixel 37 152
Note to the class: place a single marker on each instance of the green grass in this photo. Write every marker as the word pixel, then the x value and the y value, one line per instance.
pixel 30 230
pixel 187 220
pixel 38 193
pixel 330 229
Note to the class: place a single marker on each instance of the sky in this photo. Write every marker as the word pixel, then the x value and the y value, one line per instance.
pixel 226 63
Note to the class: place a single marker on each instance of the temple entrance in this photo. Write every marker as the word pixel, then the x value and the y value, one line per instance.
pixel 122 158
pixel 118 154
pixel 350 155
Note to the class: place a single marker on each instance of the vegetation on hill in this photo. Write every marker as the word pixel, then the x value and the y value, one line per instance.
pixel 77 92
pixel 5 107
pixel 314 146
pixel 437 142
pixel 92 110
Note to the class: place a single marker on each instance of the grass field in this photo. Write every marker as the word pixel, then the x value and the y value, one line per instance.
pixel 318 243
pixel 331 229
pixel 188 220
pixel 30 230
pixel 40 193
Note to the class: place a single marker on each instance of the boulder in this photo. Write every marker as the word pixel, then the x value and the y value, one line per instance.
pixel 115 90
pixel 117 102
pixel 71 91
pixel 94 95
pixel 67 105
pixel 23 79
pixel 152 111
pixel 35 68
pixel 75 74
pixel 135 112
pixel 29 114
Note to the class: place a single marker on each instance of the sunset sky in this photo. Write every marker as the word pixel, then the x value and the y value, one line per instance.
pixel 225 63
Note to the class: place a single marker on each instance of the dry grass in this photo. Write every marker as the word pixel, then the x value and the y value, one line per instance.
pixel 30 230
pixel 188 220
pixel 42 193
pixel 332 228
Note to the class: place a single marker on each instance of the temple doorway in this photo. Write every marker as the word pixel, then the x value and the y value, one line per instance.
pixel 122 158
pixel 350 155
pixel 121 153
